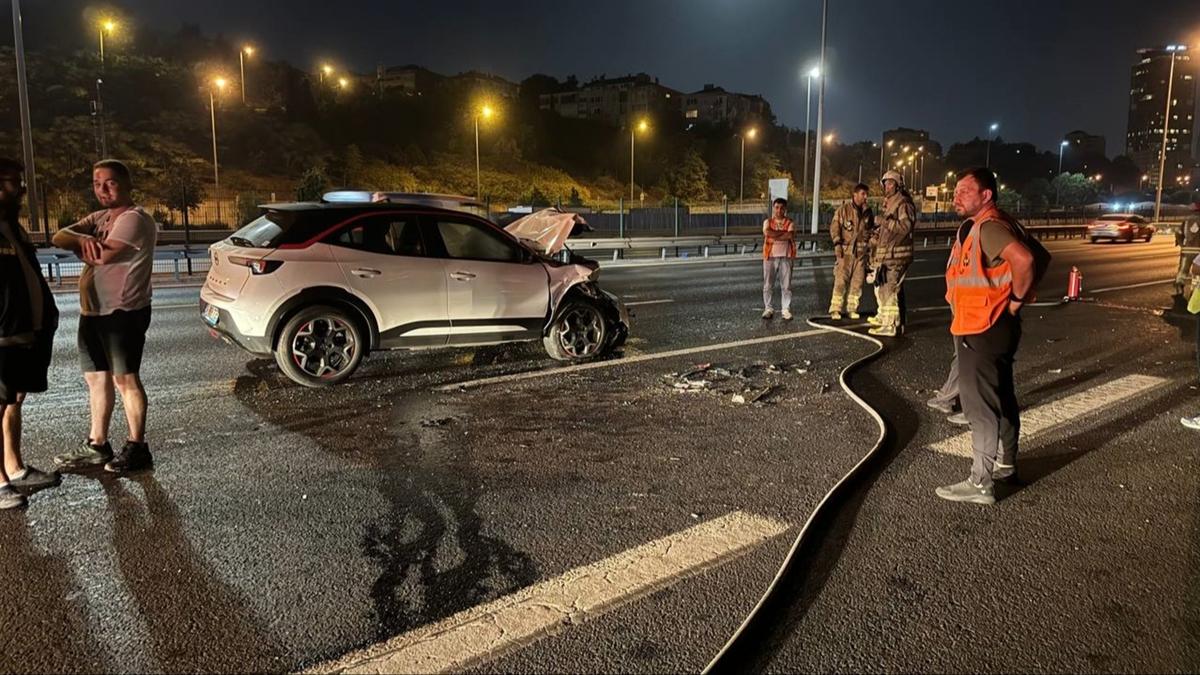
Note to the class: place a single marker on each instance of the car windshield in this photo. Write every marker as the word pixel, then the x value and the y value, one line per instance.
pixel 1114 218
pixel 285 226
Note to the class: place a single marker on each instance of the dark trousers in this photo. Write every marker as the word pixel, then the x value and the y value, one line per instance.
pixel 988 395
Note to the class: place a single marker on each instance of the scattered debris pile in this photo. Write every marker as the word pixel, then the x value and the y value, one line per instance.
pixel 759 383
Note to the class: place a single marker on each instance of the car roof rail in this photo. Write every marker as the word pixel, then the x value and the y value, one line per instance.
pixel 442 201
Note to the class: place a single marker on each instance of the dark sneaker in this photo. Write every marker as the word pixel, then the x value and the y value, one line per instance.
pixel 959 418
pixel 132 457
pixel 1004 472
pixel 35 479
pixel 940 406
pixel 10 498
pixel 967 491
pixel 86 455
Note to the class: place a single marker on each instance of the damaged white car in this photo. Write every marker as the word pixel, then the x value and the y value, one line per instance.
pixel 320 284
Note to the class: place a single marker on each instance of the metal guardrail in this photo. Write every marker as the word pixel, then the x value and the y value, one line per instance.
pixel 179 260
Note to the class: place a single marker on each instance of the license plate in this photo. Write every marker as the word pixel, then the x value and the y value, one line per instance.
pixel 211 315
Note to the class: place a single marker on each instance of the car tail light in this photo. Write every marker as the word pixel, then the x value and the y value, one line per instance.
pixel 256 265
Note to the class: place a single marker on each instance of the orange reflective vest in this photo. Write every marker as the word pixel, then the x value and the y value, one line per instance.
pixel 978 294
pixel 787 226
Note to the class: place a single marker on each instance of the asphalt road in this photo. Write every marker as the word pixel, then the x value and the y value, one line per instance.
pixel 284 527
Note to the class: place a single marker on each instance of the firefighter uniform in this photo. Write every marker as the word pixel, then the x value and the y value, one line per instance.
pixel 851 233
pixel 891 255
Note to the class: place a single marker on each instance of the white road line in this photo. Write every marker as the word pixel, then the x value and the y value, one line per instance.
pixel 925 276
pixel 1047 416
pixel 515 377
pixel 488 631
pixel 193 305
pixel 639 303
pixel 1141 285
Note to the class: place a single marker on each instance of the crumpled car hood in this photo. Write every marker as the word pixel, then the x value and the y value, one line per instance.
pixel 547 230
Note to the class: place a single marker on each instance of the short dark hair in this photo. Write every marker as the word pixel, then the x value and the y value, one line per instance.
pixel 985 178
pixel 862 187
pixel 780 200
pixel 116 166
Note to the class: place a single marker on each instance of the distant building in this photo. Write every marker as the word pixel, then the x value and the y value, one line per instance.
pixel 1085 146
pixel 714 106
pixel 913 139
pixel 411 79
pixel 613 100
pixel 1147 106
pixel 483 84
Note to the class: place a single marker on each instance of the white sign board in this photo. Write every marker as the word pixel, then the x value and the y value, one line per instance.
pixel 777 188
pixel 931 192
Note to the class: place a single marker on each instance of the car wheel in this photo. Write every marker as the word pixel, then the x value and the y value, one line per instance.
pixel 1095 239
pixel 1149 237
pixel 320 346
pixel 579 332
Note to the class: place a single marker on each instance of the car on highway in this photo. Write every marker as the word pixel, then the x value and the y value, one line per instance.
pixel 1120 227
pixel 318 285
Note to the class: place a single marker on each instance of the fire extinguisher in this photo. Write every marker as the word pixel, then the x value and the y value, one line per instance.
pixel 1074 285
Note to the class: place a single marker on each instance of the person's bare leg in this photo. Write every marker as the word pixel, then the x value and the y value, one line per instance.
pixel 12 437
pixel 101 399
pixel 133 398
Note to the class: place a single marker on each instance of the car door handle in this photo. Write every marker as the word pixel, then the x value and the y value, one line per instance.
pixel 462 276
pixel 365 273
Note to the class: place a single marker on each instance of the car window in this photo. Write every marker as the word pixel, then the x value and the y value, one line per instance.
pixel 473 241
pixel 393 234
pixel 1138 219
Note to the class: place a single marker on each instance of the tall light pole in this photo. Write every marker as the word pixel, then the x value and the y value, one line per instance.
pixel 882 166
pixel 326 69
pixel 107 25
pixel 219 84
pixel 742 179
pixel 1062 145
pixel 26 127
pixel 991 134
pixel 484 111
pixel 1142 182
pixel 1162 153
pixel 814 73
pixel 242 54
pixel 816 206
pixel 642 126
pixel 100 118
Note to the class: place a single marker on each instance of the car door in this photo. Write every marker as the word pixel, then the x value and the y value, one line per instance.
pixel 385 259
pixel 496 290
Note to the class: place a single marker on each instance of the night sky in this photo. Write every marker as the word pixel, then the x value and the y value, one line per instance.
pixel 1040 68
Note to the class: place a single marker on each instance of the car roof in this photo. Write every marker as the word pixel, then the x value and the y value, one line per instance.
pixel 361 207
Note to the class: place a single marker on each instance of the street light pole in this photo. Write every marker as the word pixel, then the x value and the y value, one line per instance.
pixel 26 127
pixel 242 53
pixel 632 134
pixel 100 119
pixel 816 214
pixel 991 133
pixel 478 173
pixel 219 83
pixel 807 130
pixel 1162 153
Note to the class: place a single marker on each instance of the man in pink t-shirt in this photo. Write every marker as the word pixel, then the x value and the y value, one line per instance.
pixel 779 252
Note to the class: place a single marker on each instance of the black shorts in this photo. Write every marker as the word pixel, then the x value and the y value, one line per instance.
pixel 113 342
pixel 23 369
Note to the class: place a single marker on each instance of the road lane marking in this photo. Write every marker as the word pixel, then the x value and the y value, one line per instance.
pixel 191 305
pixel 1056 413
pixel 1129 286
pixel 566 370
pixel 582 594
pixel 639 303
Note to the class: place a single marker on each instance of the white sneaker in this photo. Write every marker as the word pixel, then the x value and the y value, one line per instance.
pixel 768 313
pixel 1191 422
pixel 10 498
pixel 855 316
pixel 835 316
pixel 787 315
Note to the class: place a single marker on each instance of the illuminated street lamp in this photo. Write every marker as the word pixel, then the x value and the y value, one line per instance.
pixel 242 54
pixel 485 111
pixel 642 126
pixel 750 133
pixel 106 26
pixel 1061 146
pixel 325 70
pixel 343 83
pixel 218 86
pixel 881 164
pixel 813 74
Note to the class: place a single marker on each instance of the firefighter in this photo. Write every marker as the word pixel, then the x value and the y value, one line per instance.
pixel 891 254
pixel 851 233
pixel 1188 239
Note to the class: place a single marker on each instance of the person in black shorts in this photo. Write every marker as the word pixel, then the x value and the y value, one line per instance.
pixel 28 319
pixel 117 247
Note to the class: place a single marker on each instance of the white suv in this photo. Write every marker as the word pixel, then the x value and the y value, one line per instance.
pixel 318 285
